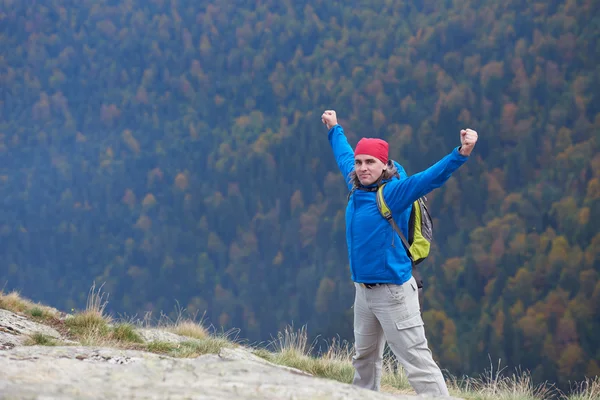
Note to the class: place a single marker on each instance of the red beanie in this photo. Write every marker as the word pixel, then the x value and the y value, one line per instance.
pixel 373 147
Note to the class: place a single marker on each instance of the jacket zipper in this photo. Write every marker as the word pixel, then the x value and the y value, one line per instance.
pixel 352 236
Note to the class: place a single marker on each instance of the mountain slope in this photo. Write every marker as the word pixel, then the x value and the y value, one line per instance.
pixel 174 150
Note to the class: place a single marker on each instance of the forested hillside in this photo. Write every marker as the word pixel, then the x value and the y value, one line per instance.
pixel 173 150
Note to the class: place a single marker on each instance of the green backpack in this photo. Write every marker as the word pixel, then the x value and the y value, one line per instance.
pixel 420 230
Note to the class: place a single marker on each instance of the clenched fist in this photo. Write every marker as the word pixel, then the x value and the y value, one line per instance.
pixel 468 138
pixel 329 118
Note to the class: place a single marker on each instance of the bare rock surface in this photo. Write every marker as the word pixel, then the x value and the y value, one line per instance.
pixel 243 354
pixel 15 328
pixel 80 372
pixel 158 335
pixel 74 372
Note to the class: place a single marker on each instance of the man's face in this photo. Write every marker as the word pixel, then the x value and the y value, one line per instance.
pixel 368 168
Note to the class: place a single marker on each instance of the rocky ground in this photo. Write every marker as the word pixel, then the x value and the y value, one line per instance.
pixel 72 371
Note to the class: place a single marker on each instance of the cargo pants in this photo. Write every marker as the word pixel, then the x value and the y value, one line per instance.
pixel 392 313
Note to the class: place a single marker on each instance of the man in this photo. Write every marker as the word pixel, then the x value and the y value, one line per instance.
pixel 386 304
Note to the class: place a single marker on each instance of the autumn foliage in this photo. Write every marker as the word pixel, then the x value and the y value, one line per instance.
pixel 173 149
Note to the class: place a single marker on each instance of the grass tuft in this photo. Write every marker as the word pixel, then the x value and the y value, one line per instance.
pixel 290 341
pixel 125 333
pixel 161 347
pixel 586 390
pixel 88 326
pixel 393 376
pixel 190 349
pixel 40 339
pixel 182 325
pixel 36 312
pixel 97 300
pixel 198 348
pixel 91 327
pixel 292 349
pixel 189 329
pixel 494 385
pixel 17 304
pixel 13 302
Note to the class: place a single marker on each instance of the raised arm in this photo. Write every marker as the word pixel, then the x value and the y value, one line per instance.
pixel 342 151
pixel 399 194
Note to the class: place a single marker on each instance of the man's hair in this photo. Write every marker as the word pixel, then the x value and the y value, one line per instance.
pixel 388 173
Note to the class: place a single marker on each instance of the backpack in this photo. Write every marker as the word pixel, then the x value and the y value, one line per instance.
pixel 420 227
pixel 420 230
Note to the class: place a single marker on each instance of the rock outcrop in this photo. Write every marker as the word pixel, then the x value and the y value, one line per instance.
pixel 15 329
pixel 80 372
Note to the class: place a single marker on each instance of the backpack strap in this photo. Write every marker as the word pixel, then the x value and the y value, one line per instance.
pixel 387 214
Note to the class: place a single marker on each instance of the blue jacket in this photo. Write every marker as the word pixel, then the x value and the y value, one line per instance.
pixel 375 250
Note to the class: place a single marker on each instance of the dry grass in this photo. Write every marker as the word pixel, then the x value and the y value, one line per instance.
pixel 586 390
pixel 494 385
pixel 190 349
pixel 182 325
pixel 92 328
pixel 17 304
pixel 189 329
pixel 125 333
pixel 393 378
pixel 97 300
pixel 88 323
pixel 291 348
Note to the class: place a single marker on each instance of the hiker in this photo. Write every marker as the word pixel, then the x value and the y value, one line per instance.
pixel 386 303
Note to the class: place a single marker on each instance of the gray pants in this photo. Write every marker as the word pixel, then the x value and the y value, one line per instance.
pixel 392 312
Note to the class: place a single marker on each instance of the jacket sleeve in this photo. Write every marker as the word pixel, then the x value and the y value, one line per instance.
pixel 401 193
pixel 343 153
